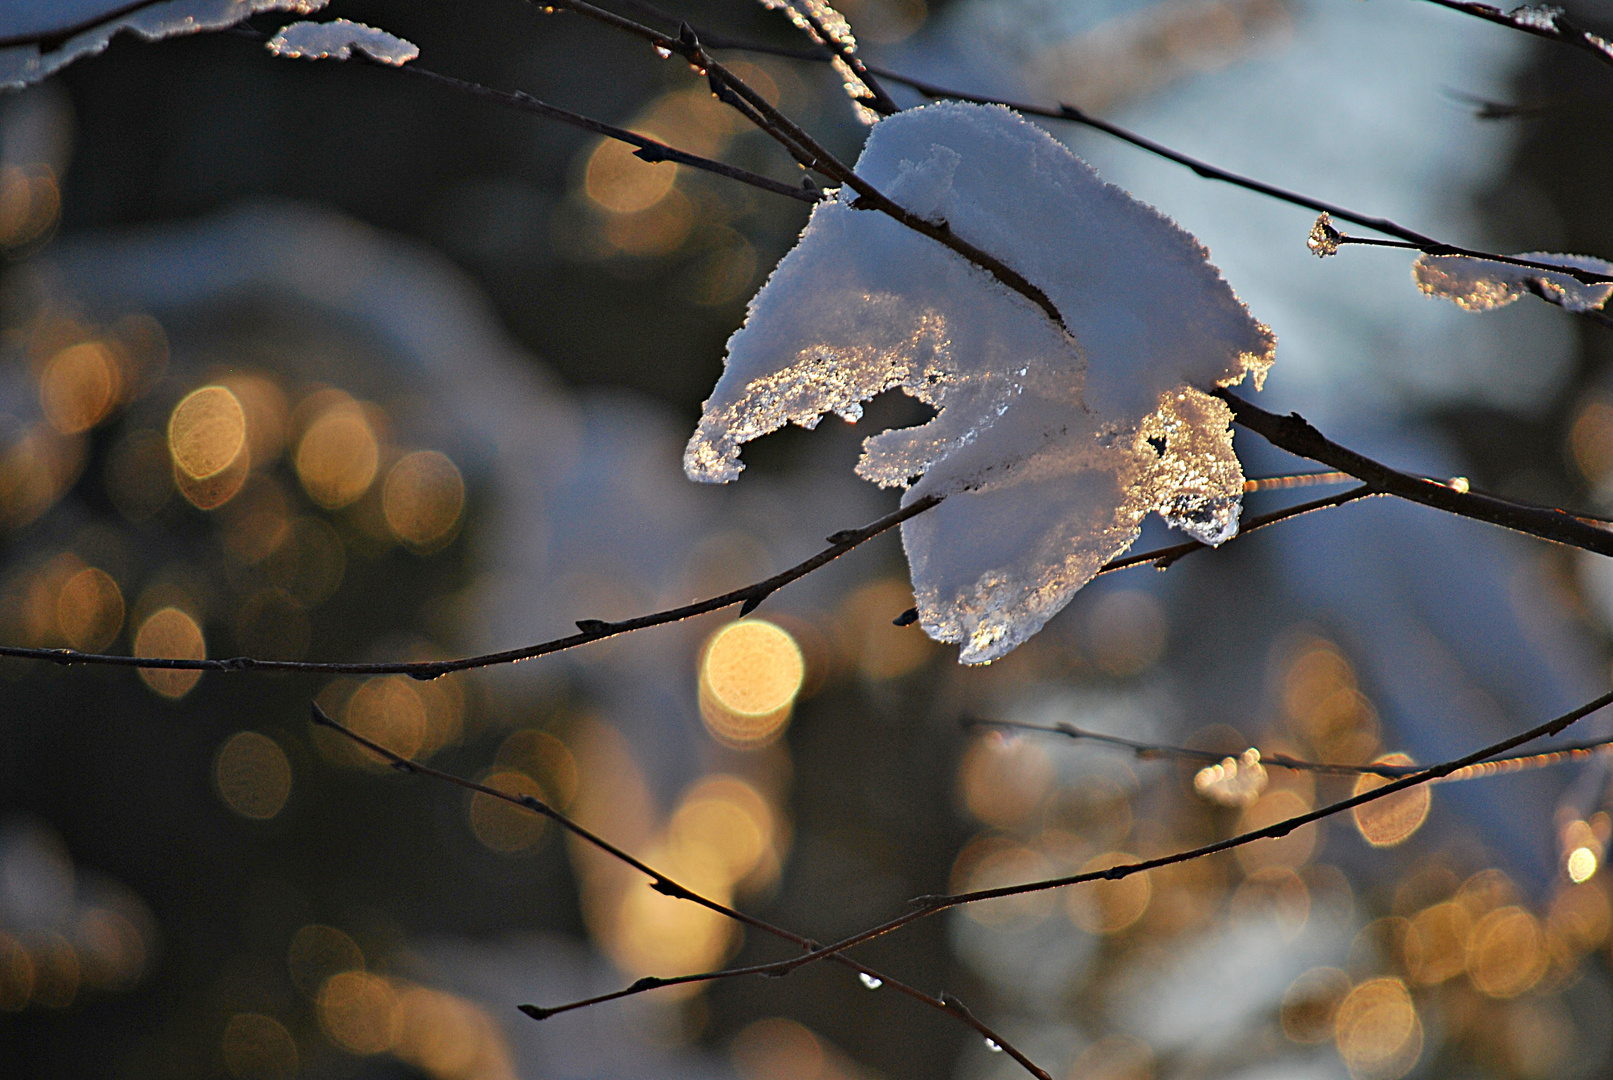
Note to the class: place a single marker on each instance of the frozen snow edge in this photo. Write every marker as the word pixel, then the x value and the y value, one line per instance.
pixel 336 40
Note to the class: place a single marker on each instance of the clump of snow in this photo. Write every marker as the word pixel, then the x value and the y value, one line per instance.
pixel 1536 18
pixel 336 40
pixel 1324 239
pixel 1050 447
pixel 1236 781
pixel 27 63
pixel 1481 285
pixel 835 25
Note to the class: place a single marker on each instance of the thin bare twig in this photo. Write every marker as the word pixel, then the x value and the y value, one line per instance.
pixel 926 906
pixel 727 86
pixel 589 630
pixel 1146 750
pixel 650 150
pixel 1583 276
pixel 665 885
pixel 1413 239
pixel 1294 434
pixel 1550 23
pixel 1163 558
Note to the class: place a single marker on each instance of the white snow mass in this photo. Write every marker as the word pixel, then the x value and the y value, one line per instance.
pixel 336 40
pixel 21 65
pixel 1481 285
pixel 1051 447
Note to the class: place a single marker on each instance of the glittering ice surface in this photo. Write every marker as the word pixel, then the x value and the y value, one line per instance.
pixel 1480 285
pixel 803 13
pixel 336 40
pixel 1051 446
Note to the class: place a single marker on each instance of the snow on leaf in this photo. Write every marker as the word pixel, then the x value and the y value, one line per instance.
pixel 336 40
pixel 1050 447
pixel 1481 285
pixel 839 31
pixel 30 62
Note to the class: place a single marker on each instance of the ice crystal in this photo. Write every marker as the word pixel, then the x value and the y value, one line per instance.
pixel 336 40
pixel 1481 285
pixel 1324 239
pixel 21 65
pixel 1050 446
pixel 802 13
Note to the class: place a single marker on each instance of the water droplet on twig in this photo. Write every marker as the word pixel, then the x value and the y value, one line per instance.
pixel 993 1047
pixel 870 981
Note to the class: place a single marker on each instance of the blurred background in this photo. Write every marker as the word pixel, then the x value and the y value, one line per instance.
pixel 314 360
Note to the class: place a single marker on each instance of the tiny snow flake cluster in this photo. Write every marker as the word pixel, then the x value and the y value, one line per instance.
pixel 336 40
pixel 1050 446
pixel 1482 285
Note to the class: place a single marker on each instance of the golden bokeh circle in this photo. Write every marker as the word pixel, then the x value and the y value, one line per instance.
pixel 502 826
pixel 338 456
pixel 1311 1002
pixel 252 775
pixel 358 1011
pixel 1506 952
pixel 622 183
pixel 422 499
pixel 1394 818
pixel 258 1047
pixel 1377 1030
pixel 319 952
pixel 79 387
pixel 206 432
pixel 170 633
pixel 89 609
pixel 1435 948
pixel 750 673
pixel 1104 906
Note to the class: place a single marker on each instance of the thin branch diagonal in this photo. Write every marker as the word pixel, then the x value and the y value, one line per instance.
pixel 1149 751
pixel 926 906
pixel 589 630
pixel 665 885
pixel 1560 27
pixel 1295 434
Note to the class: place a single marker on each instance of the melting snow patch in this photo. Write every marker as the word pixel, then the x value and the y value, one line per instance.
pixel 336 40
pixel 1480 285
pixel 1051 447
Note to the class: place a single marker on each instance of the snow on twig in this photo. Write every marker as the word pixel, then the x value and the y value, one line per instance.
pixel 1054 439
pixel 336 40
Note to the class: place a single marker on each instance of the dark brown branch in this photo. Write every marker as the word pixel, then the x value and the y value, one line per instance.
pixel 665 885
pixel 1294 434
pixel 1562 28
pixel 1510 763
pixel 925 906
pixel 726 85
pixel 590 630
pixel 1413 239
pixel 650 150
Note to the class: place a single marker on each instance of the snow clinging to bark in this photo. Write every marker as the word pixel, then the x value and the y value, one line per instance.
pixel 1481 284
pixel 1050 446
